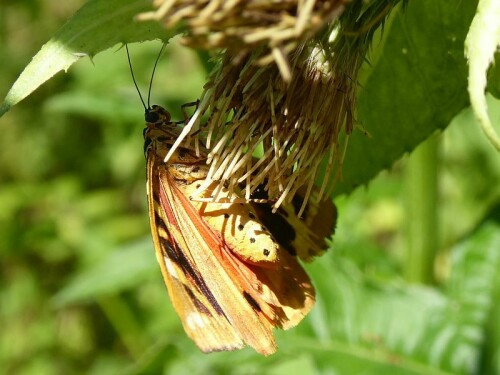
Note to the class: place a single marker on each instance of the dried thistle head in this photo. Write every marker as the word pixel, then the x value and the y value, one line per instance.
pixel 241 26
pixel 294 123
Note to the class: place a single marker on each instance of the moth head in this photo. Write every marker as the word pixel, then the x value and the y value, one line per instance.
pixel 157 116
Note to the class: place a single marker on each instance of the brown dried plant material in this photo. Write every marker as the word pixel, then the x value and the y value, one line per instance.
pixel 241 26
pixel 294 125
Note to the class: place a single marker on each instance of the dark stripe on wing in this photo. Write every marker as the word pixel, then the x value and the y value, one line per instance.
pixel 252 302
pixel 175 254
pixel 199 305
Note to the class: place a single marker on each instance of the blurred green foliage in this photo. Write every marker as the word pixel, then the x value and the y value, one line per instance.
pixel 80 291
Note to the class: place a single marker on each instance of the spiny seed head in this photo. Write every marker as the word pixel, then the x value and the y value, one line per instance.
pixel 298 112
pixel 294 125
pixel 241 26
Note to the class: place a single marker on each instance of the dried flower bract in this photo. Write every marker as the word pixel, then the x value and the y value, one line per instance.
pixel 292 125
pixel 295 114
pixel 241 26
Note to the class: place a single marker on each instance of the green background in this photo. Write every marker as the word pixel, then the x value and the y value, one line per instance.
pixel 409 286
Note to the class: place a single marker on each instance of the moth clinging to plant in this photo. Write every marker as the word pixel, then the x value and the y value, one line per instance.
pixel 230 266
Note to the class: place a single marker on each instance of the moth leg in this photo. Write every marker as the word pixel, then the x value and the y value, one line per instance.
pixel 184 112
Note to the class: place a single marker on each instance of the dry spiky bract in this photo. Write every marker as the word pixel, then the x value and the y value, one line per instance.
pixel 293 125
pixel 294 112
pixel 243 25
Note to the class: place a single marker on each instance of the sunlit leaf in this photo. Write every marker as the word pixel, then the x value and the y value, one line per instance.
pixel 98 25
pixel 481 44
pixel 415 87
pixel 403 328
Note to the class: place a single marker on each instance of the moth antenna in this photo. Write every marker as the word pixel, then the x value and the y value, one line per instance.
pixel 153 74
pixel 133 79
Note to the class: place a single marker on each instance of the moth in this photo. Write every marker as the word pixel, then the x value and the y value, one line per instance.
pixel 230 268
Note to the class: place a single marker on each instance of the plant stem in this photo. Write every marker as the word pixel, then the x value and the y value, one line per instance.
pixel 421 212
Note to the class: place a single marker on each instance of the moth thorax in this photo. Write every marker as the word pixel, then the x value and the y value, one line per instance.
pixel 189 172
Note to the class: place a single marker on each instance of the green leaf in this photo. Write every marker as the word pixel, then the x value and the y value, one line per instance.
pixel 476 281
pixel 481 45
pixel 417 85
pixel 97 26
pixel 402 328
pixel 125 267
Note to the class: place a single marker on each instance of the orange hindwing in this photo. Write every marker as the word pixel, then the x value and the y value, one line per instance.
pixel 228 267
